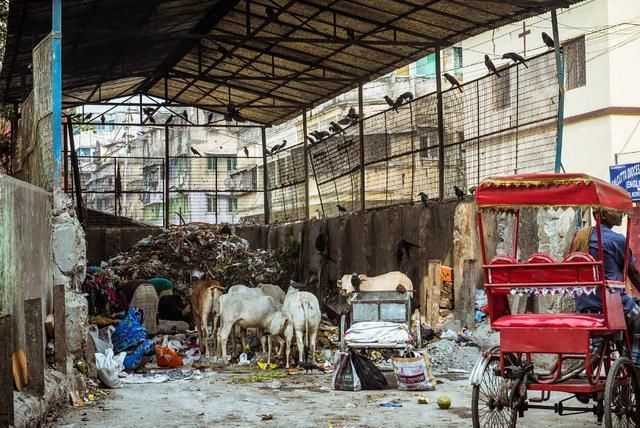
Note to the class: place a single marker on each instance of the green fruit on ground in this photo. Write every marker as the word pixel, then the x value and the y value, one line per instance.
pixel 444 402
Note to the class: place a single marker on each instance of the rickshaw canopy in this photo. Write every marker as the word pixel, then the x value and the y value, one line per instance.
pixel 551 190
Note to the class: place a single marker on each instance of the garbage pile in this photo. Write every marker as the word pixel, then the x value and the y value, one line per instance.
pixel 177 254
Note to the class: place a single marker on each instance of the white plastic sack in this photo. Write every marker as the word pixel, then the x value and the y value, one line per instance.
pixel 381 332
pixel 109 366
pixel 101 345
pixel 412 373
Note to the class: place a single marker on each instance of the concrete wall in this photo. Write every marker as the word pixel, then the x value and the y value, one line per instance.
pixel 365 242
pixel 106 242
pixel 25 251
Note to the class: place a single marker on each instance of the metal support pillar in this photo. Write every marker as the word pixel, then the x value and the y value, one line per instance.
pixel 6 372
pixel 441 163
pixel 165 210
pixel 560 72
pixel 305 152
pixel 65 159
pixel 35 345
pixel 77 186
pixel 56 87
pixel 265 177
pixel 361 151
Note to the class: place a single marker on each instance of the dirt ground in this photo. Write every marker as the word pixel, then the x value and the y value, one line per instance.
pixel 303 400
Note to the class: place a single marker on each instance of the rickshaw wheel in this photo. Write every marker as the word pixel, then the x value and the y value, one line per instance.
pixel 622 395
pixel 490 399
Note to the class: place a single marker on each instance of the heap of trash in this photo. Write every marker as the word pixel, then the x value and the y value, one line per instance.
pixel 201 249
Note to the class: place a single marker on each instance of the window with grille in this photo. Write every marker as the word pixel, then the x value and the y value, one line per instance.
pixel 429 144
pixel 232 164
pixel 426 66
pixel 212 164
pixel 402 71
pixel 212 204
pixel 457 57
pixel 501 89
pixel 232 204
pixel 575 66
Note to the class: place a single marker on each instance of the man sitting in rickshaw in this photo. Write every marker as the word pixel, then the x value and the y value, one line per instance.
pixel 613 248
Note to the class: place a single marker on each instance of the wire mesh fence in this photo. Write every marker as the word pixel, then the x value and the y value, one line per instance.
pixel 495 125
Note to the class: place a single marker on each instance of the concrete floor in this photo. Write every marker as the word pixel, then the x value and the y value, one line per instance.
pixel 302 401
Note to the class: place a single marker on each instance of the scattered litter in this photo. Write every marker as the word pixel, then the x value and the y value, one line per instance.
pixel 243 361
pixel 350 405
pixel 375 396
pixel 449 335
pixel 423 400
pixel 266 416
pixel 390 404
pixel 274 384
pixel 108 367
pixel 258 400
pixel 144 378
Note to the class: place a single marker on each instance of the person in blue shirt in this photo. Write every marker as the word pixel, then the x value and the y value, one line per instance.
pixel 613 251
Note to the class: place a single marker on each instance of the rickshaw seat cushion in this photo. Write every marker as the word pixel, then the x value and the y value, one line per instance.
pixel 581 321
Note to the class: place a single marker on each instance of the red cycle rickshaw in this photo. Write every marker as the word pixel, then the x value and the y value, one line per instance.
pixel 591 350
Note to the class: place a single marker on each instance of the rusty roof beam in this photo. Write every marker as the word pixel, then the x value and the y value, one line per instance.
pixel 213 15
pixel 289 33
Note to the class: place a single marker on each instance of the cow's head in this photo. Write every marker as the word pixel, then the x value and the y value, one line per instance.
pixel 349 284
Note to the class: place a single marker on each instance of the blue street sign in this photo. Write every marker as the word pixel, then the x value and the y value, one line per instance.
pixel 627 176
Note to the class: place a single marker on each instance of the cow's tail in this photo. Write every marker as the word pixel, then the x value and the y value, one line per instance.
pixel 305 309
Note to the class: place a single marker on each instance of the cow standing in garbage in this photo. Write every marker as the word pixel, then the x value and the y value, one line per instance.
pixel 392 281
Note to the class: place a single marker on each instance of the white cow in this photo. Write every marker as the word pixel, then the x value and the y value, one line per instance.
pixel 247 311
pixel 254 292
pixel 274 291
pixel 387 282
pixel 303 312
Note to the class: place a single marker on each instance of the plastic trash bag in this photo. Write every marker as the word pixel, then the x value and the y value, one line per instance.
pixel 345 377
pixel 370 376
pixel 108 367
pixel 100 344
pixel 411 372
pixel 130 333
pixel 134 358
pixel 167 357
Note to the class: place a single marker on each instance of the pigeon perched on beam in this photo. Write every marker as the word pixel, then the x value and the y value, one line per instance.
pixel 168 121
pixel 490 66
pixel 246 151
pixel 424 198
pixel 335 128
pixel 454 82
pixel 195 152
pixel 459 193
pixel 515 58
pixel 209 118
pixel 185 115
pixel 341 209
pixel 402 99
pixel 548 40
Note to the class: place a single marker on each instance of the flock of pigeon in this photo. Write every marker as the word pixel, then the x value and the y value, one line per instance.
pixel 516 58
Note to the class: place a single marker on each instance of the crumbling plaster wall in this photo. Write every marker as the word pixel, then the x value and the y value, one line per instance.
pixel 25 251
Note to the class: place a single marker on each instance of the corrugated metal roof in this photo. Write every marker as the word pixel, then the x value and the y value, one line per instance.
pixel 209 53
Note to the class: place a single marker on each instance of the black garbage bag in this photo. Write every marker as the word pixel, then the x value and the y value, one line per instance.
pixel 370 376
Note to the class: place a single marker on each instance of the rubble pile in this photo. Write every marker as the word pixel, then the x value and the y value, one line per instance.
pixel 449 355
pixel 197 247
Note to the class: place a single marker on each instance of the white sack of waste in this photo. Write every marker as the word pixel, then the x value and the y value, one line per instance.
pixel 381 332
pixel 108 367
